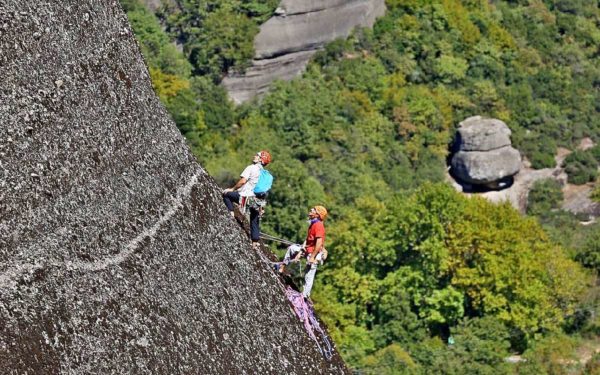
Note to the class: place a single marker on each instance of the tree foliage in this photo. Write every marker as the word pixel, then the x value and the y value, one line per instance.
pixel 435 258
pixel 581 167
pixel 216 35
pixel 544 196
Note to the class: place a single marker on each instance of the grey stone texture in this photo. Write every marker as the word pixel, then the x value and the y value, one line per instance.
pixel 258 78
pixel 482 134
pixel 287 41
pixel 484 154
pixel 116 253
pixel 486 167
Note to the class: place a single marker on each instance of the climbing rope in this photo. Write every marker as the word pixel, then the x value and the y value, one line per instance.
pixel 303 310
pixel 268 237
pixel 306 314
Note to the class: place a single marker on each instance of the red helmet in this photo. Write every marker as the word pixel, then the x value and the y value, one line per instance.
pixel 265 157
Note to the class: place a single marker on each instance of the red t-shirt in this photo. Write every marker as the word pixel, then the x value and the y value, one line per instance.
pixel 316 230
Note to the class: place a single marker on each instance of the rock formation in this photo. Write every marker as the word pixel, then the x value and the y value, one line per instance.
pixel 576 197
pixel 287 41
pixel 116 254
pixel 484 155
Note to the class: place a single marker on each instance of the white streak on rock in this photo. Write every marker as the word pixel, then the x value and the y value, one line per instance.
pixel 9 277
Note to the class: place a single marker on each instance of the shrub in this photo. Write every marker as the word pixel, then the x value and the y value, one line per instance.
pixel 541 159
pixel 589 255
pixel 595 151
pixel 540 150
pixel 545 195
pixel 392 360
pixel 581 167
pixel 593 366
pixel 596 193
pixel 550 355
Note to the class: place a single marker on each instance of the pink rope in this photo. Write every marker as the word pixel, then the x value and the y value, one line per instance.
pixel 303 311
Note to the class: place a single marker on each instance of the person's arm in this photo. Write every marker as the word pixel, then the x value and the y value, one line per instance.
pixel 244 177
pixel 300 253
pixel 238 185
pixel 318 246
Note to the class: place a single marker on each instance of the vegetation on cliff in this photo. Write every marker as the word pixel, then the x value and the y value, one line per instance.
pixel 366 132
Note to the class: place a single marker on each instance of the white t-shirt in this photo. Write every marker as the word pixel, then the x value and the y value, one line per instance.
pixel 251 174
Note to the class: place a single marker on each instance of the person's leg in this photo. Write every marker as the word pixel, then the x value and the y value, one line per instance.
pixel 291 252
pixel 308 280
pixel 229 198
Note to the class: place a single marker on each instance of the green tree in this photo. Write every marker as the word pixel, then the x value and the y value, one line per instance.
pixel 581 167
pixel 216 35
pixel 391 360
pixel 158 50
pixel 504 264
pixel 589 255
pixel 222 44
pixel 544 196
pixel 479 346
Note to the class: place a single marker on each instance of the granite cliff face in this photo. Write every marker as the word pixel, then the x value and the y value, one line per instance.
pixel 116 254
pixel 287 41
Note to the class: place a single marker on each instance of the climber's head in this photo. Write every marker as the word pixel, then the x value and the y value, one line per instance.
pixel 264 157
pixel 318 212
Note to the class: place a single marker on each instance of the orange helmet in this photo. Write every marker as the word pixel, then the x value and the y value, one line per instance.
pixel 265 157
pixel 322 212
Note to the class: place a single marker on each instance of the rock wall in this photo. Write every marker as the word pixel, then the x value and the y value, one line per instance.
pixel 116 254
pixel 287 41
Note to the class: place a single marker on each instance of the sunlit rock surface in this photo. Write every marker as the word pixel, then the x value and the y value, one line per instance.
pixel 116 254
pixel 288 40
pixel 484 155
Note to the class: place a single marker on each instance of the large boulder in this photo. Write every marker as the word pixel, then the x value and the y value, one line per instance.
pixel 486 167
pixel 116 254
pixel 483 152
pixel 287 41
pixel 480 134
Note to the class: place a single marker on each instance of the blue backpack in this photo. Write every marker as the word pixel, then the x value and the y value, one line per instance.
pixel 265 181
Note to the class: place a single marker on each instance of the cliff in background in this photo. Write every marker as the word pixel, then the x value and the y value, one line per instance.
pixel 287 41
pixel 116 253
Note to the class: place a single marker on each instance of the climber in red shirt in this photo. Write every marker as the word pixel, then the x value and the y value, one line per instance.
pixel 313 247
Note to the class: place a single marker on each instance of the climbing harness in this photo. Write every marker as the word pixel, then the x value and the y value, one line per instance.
pixel 306 314
pixel 256 202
